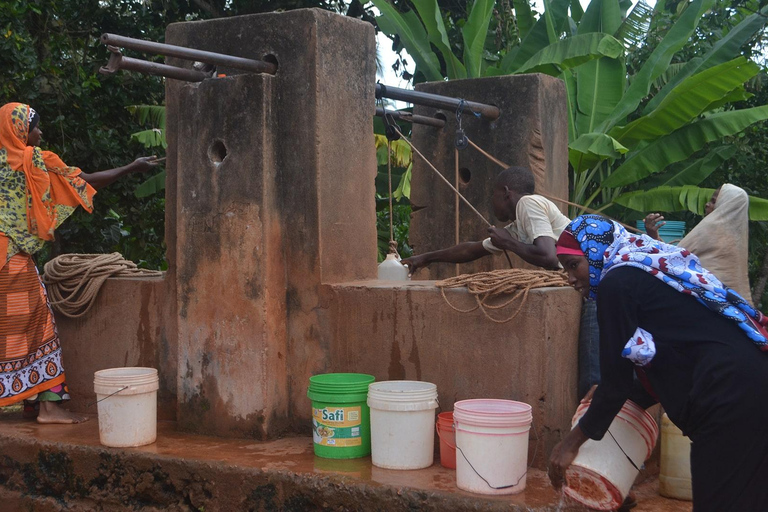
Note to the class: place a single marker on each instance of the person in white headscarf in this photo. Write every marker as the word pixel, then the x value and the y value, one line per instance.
pixel 721 239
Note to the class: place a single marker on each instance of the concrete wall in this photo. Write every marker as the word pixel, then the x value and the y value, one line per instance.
pixel 125 327
pixel 408 331
pixel 531 132
pixel 290 208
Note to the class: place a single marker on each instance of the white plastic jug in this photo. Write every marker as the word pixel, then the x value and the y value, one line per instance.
pixel 392 270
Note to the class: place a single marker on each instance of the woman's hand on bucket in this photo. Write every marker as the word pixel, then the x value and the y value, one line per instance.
pixel 588 397
pixel 563 454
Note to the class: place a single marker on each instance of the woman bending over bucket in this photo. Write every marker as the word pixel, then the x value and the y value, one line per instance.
pixel 37 193
pixel 696 345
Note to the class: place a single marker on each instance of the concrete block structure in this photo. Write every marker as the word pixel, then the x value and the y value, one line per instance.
pixel 271 234
pixel 273 187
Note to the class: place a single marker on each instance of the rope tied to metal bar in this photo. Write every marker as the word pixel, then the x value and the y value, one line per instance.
pixel 73 280
pixel 487 286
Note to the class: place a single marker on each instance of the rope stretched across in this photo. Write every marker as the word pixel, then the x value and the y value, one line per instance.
pixel 73 280
pixel 513 283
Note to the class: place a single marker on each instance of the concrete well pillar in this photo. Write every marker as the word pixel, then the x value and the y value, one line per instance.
pixel 531 132
pixel 270 196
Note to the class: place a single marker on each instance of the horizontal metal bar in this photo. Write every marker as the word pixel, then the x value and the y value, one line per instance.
pixel 117 62
pixel 411 118
pixel 181 52
pixel 435 100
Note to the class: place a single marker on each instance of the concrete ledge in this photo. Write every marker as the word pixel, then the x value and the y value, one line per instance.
pixel 125 327
pixel 46 468
pixel 406 330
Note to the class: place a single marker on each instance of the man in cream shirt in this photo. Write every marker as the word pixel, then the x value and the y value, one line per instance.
pixel 535 224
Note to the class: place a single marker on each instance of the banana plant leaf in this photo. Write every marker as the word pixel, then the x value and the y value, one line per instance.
pixel 413 36
pixel 430 14
pixel 474 32
pixel 404 187
pixel 667 76
pixel 151 186
pixel 153 138
pixel 572 52
pixel 634 28
pixel 725 49
pixel 736 95
pixel 600 89
pixel 667 199
pixel 692 173
pixel 682 143
pixel 657 62
pixel 689 99
pixel 577 12
pixel 536 39
pixel 591 148
pixel 153 114
pixel 673 199
pixel 601 16
pixel 524 17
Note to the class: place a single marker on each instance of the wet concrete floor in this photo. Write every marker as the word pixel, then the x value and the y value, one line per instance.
pixel 295 455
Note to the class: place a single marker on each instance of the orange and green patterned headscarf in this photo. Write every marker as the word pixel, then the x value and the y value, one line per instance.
pixel 32 208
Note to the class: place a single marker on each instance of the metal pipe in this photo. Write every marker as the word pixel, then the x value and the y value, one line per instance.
pixel 411 118
pixel 180 52
pixel 117 62
pixel 435 100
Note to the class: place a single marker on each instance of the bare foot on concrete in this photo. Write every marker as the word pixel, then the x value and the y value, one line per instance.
pixel 52 412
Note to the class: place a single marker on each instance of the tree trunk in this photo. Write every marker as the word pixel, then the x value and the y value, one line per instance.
pixel 759 288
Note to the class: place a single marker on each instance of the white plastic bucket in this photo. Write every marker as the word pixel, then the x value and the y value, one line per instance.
pixel 491 445
pixel 402 423
pixel 675 468
pixel 127 406
pixel 601 476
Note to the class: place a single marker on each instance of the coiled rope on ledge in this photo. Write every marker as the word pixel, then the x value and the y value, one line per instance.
pixel 73 280
pixel 515 283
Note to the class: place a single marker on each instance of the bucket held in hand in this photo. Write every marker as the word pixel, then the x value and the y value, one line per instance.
pixel 603 472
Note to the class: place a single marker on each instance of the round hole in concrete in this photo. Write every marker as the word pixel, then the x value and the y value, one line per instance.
pixel 272 60
pixel 465 175
pixel 217 151
pixel 440 115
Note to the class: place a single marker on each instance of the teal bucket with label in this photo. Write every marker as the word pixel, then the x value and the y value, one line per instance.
pixel 341 418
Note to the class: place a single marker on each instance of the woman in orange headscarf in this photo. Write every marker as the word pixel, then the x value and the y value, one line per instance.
pixel 37 193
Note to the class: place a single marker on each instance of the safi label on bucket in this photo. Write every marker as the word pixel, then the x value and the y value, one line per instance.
pixel 337 426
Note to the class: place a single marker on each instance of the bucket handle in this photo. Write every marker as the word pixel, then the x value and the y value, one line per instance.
pixel 437 429
pixel 484 479
pixel 113 394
